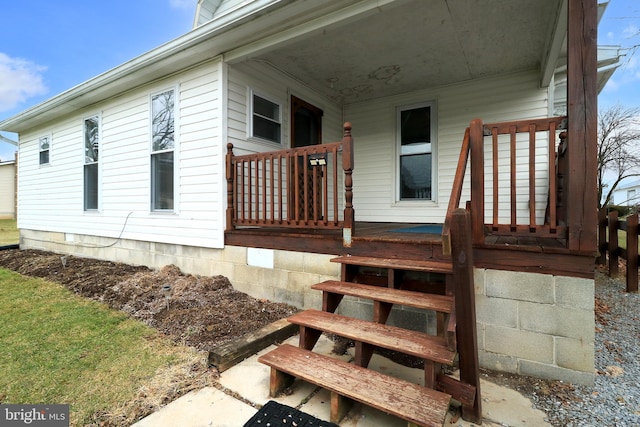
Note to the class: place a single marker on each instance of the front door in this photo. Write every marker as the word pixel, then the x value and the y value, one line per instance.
pixel 306 129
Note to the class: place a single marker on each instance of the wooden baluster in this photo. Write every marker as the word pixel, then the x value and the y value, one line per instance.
pixel 230 172
pixel 272 197
pixel 263 210
pixel 347 166
pixel 315 193
pixel 335 186
pixel 286 191
pixel 494 143
pixel 532 178
pixel 553 221
pixel 243 193
pixel 324 177
pixel 306 199
pixel 512 161
pixel 296 188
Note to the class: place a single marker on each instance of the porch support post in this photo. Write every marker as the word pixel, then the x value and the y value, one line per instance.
pixel 476 141
pixel 465 305
pixel 347 165
pixel 582 129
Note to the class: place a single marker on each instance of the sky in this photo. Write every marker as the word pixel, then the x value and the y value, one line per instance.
pixel 47 47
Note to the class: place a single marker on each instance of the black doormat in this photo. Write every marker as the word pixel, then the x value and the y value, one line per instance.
pixel 274 414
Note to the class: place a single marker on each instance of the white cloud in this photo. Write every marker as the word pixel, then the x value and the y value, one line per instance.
pixel 631 31
pixel 182 4
pixel 19 80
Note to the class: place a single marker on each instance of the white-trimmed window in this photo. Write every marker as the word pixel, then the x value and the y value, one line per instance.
pixel 91 169
pixel 266 119
pixel 44 144
pixel 416 152
pixel 163 144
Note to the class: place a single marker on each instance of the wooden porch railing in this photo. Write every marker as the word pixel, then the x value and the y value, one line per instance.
pixel 295 188
pixel 504 145
pixel 608 243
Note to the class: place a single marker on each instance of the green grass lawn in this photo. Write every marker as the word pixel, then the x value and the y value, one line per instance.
pixel 57 347
pixel 8 232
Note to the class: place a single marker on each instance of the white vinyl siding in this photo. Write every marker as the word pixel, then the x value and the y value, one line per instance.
pixel 509 97
pixel 246 78
pixel 124 168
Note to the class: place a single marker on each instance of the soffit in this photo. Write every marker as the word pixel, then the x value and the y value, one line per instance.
pixel 418 44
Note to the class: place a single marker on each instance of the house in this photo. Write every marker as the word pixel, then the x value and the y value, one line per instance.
pixel 627 195
pixel 8 190
pixel 8 184
pixel 224 152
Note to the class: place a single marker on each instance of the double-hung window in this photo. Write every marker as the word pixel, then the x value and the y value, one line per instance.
pixel 163 122
pixel 416 144
pixel 91 150
pixel 266 119
pixel 44 147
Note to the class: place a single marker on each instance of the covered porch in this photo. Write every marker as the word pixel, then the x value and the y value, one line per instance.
pixel 269 209
pixel 527 178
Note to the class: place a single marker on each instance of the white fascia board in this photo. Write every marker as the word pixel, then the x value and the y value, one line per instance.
pixel 8 141
pixel 554 46
pixel 552 59
pixel 609 59
pixel 196 46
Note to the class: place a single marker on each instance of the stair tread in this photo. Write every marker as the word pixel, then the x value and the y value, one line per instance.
pixel 406 400
pixel 409 342
pixel 430 266
pixel 440 303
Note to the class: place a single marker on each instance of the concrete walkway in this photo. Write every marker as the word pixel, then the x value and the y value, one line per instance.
pixel 249 382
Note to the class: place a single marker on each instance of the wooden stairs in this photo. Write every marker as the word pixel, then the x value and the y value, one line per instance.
pixel 419 404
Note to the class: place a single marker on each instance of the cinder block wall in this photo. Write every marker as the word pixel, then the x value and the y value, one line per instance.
pixel 536 324
pixel 531 324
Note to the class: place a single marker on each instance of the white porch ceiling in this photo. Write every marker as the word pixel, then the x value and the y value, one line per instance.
pixel 418 43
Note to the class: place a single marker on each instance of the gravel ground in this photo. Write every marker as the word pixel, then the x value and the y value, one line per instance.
pixel 615 398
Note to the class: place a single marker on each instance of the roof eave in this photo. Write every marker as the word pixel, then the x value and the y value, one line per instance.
pixel 198 45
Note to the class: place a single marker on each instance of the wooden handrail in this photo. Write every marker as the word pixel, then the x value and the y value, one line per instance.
pixel 456 193
pixel 506 134
pixel 297 187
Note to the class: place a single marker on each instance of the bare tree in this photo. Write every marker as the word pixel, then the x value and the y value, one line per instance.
pixel 618 149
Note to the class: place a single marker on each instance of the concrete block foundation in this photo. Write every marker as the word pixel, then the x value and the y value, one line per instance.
pixel 527 323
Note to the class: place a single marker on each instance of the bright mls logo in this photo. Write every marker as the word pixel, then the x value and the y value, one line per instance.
pixel 34 415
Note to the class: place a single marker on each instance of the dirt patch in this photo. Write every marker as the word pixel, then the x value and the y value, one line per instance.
pixel 197 311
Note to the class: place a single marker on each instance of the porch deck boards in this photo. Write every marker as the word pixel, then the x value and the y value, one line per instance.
pixel 377 239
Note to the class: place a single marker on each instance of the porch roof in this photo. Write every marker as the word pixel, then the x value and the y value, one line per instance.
pixel 350 50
